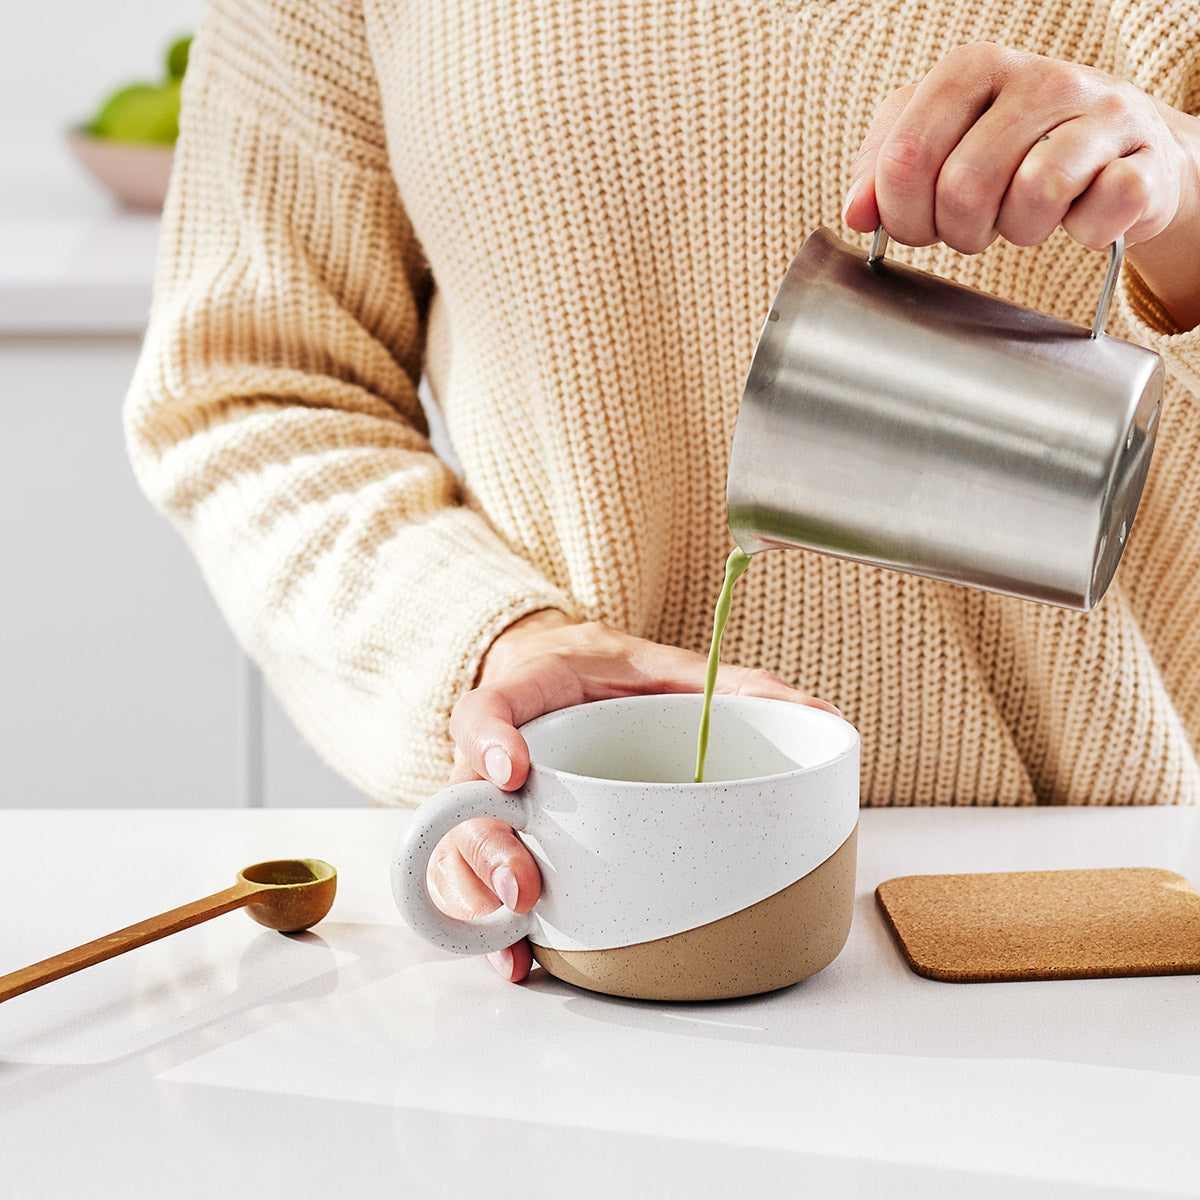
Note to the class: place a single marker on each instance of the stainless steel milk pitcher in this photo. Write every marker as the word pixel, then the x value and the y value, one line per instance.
pixel 901 420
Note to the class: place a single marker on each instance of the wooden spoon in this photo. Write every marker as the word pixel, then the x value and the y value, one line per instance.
pixel 288 895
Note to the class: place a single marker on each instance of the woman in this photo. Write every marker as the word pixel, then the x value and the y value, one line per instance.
pixel 572 218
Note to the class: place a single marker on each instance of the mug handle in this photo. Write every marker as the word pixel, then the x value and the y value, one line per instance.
pixel 428 825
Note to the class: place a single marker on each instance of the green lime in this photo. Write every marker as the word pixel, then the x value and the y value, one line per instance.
pixel 101 125
pixel 140 113
pixel 177 57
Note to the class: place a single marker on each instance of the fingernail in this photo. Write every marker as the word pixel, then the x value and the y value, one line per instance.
pixel 497 766
pixel 504 884
pixel 502 961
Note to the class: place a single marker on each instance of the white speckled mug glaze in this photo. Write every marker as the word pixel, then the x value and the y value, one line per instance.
pixel 654 886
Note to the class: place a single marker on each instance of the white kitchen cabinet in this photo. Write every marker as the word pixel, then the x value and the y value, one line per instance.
pixel 119 677
pixel 120 685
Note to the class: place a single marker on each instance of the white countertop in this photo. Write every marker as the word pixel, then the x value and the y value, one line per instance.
pixel 356 1061
pixel 71 262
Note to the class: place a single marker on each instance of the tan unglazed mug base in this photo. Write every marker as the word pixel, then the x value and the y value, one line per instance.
pixel 772 944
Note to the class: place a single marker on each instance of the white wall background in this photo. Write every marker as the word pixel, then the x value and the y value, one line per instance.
pixel 59 59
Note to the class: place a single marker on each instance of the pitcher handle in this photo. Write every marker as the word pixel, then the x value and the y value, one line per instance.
pixel 1116 253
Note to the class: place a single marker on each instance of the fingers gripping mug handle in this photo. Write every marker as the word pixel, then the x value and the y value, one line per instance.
pixel 429 824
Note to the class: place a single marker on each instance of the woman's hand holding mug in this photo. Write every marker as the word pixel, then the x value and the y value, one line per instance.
pixel 542 663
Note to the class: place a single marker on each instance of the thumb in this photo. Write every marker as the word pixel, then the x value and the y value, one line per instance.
pixel 860 210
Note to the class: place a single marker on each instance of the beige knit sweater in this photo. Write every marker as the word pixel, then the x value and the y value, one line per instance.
pixel 572 217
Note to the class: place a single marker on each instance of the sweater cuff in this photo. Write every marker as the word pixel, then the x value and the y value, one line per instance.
pixel 1149 324
pixel 377 705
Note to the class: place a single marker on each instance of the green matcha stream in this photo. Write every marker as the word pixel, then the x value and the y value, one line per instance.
pixel 735 565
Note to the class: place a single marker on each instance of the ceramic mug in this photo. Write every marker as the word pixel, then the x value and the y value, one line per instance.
pixel 654 886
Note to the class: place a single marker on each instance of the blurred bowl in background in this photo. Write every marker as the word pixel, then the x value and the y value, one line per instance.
pixel 134 173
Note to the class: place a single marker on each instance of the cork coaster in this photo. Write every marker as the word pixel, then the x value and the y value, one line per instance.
pixel 1045 924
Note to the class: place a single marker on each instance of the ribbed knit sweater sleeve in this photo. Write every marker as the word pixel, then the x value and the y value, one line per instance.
pixel 274 414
